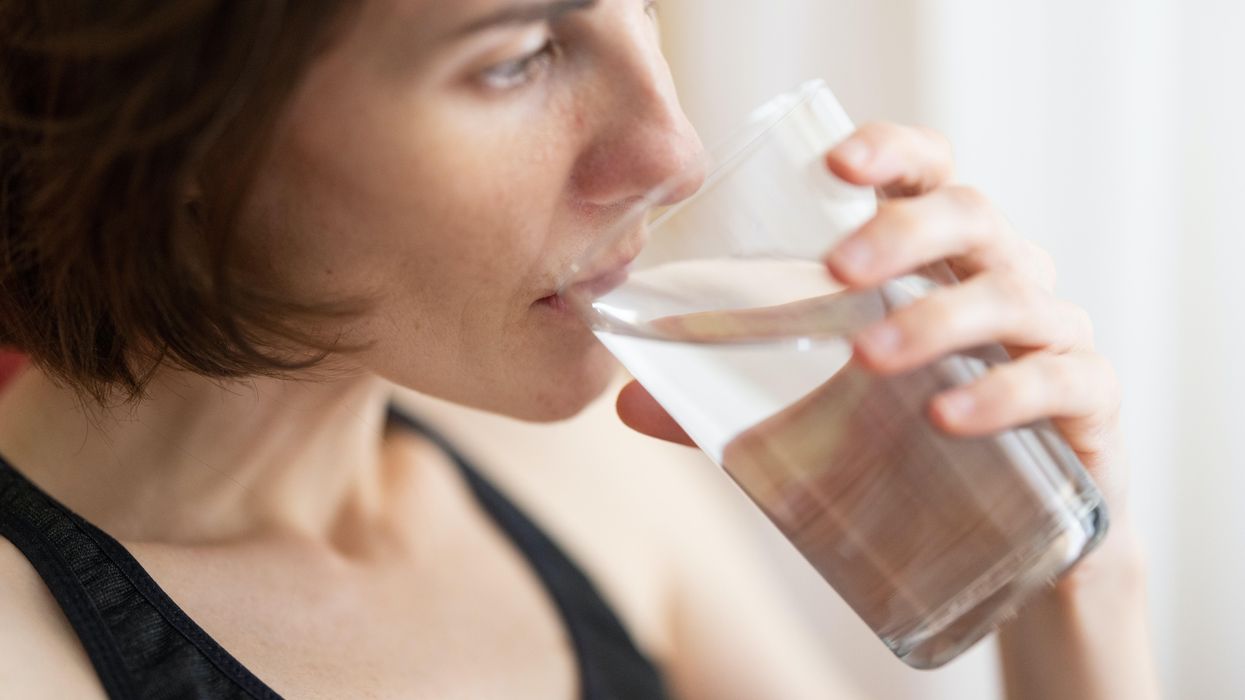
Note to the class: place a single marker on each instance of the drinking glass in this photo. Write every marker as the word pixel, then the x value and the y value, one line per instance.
pixel 720 306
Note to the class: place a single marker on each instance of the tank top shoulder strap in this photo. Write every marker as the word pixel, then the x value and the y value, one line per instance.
pixel 142 645
pixel 139 642
pixel 610 664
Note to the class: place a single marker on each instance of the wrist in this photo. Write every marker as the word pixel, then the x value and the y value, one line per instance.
pixel 1107 586
pixel 1087 635
pixel 1116 567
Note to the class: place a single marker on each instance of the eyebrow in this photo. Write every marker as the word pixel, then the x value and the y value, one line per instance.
pixel 526 13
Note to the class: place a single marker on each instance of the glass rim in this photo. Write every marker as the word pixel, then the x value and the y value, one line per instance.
pixel 721 160
pixel 745 140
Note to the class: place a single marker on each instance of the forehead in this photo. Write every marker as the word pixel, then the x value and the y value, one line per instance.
pixel 448 18
pixel 416 20
pixel 406 31
pixel 400 36
pixel 444 17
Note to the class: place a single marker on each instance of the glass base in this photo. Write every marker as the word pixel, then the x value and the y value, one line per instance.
pixel 953 631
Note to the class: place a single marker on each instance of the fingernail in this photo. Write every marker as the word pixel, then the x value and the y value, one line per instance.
pixel 854 152
pixel 854 257
pixel 881 339
pixel 956 405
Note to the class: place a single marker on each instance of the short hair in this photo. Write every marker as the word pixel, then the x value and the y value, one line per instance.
pixel 110 113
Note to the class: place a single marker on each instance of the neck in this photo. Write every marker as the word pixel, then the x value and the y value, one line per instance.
pixel 203 461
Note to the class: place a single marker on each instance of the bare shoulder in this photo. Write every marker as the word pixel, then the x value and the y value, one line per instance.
pixel 40 656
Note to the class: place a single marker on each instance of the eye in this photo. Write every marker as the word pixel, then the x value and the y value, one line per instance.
pixel 520 71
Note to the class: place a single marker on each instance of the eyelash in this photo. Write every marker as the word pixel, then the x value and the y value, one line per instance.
pixel 520 71
pixel 523 70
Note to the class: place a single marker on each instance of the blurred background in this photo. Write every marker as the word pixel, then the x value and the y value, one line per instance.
pixel 1112 133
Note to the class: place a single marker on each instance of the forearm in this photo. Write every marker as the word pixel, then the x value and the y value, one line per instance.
pixel 1087 637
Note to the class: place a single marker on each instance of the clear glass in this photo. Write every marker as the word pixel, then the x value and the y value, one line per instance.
pixel 719 305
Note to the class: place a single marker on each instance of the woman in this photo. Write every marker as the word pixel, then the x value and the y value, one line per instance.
pixel 230 229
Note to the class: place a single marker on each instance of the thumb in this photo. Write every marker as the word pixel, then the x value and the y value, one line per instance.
pixel 641 412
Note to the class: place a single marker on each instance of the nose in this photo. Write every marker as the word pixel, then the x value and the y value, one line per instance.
pixel 644 141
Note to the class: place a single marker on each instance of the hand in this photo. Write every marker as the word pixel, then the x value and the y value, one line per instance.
pixel 1006 296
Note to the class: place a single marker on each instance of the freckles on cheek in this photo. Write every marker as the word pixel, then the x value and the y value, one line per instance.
pixel 436 214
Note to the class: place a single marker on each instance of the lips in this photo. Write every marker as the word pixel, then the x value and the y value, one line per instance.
pixel 603 277
pixel 612 270
pixel 554 302
pixel 591 287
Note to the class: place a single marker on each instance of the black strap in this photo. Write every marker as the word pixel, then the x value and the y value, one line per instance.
pixel 239 676
pixel 141 644
pixel 610 664
pixel 101 647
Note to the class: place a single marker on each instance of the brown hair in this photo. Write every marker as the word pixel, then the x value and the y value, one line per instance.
pixel 130 132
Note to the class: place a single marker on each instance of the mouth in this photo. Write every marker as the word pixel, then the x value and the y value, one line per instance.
pixel 601 278
pixel 590 286
pixel 554 302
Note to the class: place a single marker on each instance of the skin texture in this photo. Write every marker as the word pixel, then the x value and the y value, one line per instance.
pixel 423 169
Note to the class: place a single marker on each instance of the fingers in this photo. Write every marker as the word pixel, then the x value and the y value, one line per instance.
pixel 956 223
pixel 930 219
pixel 901 161
pixel 641 412
pixel 1079 389
pixel 998 307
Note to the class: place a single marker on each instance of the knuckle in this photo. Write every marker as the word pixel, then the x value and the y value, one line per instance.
pixel 933 318
pixel 1019 293
pixel 969 199
pixel 900 216
pixel 934 136
pixel 1082 325
pixel 978 209
pixel 1065 384
pixel 1061 375
pixel 1112 388
pixel 1042 262
pixel 1016 387
pixel 938 144
pixel 1094 439
pixel 880 133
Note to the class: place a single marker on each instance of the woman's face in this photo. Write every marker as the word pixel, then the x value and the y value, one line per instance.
pixel 448 160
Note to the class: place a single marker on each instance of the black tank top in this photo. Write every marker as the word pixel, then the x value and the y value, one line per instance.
pixel 143 645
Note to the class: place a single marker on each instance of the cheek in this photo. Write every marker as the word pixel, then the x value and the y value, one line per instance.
pixel 352 227
pixel 453 243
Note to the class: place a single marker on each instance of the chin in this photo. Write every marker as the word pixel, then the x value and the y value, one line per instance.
pixel 561 392
pixel 544 382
